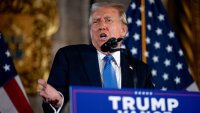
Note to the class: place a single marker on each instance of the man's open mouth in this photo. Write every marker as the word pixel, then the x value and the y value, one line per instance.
pixel 102 35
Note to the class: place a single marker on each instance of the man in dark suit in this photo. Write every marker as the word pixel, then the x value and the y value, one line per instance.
pixel 83 65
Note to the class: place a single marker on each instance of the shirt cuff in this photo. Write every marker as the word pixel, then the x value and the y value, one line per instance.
pixel 58 110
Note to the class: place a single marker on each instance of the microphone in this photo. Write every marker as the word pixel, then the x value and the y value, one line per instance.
pixel 111 44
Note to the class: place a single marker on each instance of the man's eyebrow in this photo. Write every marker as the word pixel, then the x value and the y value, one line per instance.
pixel 96 19
pixel 108 17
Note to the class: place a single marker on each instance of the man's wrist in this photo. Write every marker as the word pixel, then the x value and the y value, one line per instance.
pixel 57 107
pixel 58 102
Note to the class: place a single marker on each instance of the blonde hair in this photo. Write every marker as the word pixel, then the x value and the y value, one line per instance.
pixel 117 6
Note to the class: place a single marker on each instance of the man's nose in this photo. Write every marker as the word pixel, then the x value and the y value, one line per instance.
pixel 102 26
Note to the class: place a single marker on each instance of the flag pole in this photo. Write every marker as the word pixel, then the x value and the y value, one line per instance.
pixel 143 29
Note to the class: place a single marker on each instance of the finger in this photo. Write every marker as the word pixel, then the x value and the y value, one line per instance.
pixel 45 97
pixel 43 94
pixel 42 82
pixel 46 100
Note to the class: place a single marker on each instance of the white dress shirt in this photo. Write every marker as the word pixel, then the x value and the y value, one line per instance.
pixel 116 65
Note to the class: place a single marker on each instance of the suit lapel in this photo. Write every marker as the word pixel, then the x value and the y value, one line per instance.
pixel 91 65
pixel 127 71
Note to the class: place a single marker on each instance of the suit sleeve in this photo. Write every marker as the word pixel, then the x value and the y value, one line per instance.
pixel 58 77
pixel 148 81
pixel 144 76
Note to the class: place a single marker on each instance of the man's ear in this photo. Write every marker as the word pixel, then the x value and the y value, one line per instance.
pixel 124 30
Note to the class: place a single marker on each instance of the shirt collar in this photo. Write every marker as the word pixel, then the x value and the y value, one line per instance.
pixel 116 56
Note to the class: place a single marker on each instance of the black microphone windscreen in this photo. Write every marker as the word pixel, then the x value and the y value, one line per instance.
pixel 107 46
pixel 110 45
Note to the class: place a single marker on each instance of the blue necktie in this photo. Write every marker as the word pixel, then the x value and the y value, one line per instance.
pixel 109 77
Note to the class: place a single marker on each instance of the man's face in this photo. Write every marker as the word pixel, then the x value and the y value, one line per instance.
pixel 106 24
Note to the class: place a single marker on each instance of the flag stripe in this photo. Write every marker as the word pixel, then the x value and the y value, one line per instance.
pixel 17 97
pixel 21 86
pixel 6 105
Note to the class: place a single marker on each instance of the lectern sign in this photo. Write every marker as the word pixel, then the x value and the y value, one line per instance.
pixel 98 100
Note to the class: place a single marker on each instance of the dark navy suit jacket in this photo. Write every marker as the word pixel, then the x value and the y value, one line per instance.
pixel 77 65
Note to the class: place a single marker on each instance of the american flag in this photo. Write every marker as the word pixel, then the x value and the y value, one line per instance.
pixel 163 52
pixel 12 94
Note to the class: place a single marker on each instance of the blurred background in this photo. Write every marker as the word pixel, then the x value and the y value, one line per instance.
pixel 36 29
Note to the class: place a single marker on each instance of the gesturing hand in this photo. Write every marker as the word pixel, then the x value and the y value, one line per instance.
pixel 49 93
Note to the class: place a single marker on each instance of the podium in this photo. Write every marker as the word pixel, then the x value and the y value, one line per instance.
pixel 99 100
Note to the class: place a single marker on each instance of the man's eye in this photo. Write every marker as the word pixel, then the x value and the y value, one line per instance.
pixel 109 20
pixel 94 22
